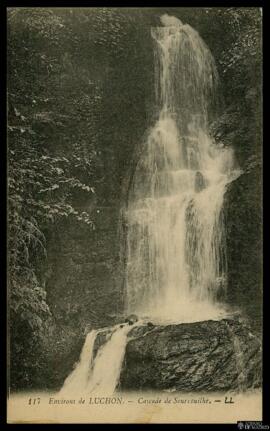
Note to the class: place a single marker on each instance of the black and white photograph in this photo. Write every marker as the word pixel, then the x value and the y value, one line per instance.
pixel 134 169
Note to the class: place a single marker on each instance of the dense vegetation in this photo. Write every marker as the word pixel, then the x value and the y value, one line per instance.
pixel 80 98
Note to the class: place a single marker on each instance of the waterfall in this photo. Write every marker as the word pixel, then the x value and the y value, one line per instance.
pixel 101 375
pixel 108 363
pixel 176 257
pixel 77 380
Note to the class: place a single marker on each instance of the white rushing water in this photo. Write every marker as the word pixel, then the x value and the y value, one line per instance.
pixel 77 380
pixel 101 375
pixel 176 257
pixel 108 363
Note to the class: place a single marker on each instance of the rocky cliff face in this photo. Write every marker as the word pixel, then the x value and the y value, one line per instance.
pixel 243 213
pixel 202 356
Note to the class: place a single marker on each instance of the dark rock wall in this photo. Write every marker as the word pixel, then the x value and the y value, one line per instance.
pixel 83 285
pixel 243 215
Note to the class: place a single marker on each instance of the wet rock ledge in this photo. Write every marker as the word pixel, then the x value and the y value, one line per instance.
pixel 202 356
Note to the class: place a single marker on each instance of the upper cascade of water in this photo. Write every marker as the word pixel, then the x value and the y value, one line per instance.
pixel 169 20
pixel 186 74
pixel 176 254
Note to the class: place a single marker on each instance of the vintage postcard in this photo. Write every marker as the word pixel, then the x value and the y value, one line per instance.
pixel 135 215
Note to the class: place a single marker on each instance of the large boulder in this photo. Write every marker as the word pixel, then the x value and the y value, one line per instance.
pixel 202 356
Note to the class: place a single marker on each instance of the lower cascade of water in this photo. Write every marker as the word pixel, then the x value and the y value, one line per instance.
pixel 101 374
pixel 77 379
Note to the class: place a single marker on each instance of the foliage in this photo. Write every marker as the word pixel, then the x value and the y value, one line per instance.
pixel 43 182
pixel 240 68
